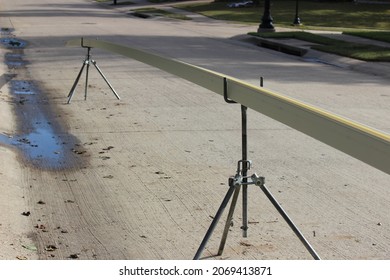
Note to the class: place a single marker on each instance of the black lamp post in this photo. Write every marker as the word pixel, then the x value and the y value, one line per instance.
pixel 266 21
pixel 297 20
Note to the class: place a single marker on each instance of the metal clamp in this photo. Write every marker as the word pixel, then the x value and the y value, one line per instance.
pixel 239 179
pixel 254 179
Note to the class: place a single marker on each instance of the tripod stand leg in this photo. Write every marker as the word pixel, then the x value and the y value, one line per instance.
pixel 105 79
pixel 290 222
pixel 228 221
pixel 70 95
pixel 215 221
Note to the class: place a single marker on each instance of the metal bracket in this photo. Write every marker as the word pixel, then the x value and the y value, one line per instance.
pixel 82 44
pixel 225 92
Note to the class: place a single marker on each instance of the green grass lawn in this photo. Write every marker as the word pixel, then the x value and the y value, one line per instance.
pixel 365 20
pixel 158 12
pixel 322 43
pixel 313 14
pixel 379 36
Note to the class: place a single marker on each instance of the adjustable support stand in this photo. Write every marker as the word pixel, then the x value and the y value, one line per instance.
pixel 87 61
pixel 241 179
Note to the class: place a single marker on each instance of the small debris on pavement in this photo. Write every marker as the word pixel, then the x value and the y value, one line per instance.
pixel 40 227
pixel 245 244
pixel 27 213
pixel 30 247
pixel 77 152
pixel 74 256
pixel 50 248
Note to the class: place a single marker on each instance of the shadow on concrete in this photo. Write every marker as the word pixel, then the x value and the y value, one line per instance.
pixel 237 58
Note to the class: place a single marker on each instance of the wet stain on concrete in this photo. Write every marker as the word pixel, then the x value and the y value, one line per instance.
pixel 40 140
pixel 21 87
pixel 14 60
pixel 13 43
pixel 6 30
pixel 43 147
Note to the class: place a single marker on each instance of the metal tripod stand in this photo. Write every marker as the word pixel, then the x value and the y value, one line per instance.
pixel 241 179
pixel 87 62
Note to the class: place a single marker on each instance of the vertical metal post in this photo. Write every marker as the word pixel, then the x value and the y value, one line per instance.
pixel 297 20
pixel 87 61
pixel 244 171
pixel 266 24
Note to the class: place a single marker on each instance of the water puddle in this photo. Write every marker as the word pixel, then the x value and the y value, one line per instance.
pixel 42 147
pixel 13 43
pixel 14 60
pixel 5 139
pixel 40 141
pixel 23 87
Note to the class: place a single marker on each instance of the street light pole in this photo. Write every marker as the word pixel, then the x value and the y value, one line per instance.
pixel 266 21
pixel 297 20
